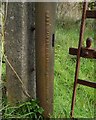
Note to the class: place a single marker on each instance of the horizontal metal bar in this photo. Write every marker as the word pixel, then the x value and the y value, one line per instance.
pixel 87 83
pixel 86 53
pixel 91 14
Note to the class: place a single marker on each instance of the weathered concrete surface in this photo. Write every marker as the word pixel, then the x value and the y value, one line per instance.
pixel 0 58
pixel 0 70
pixel 19 49
pixel 0 50
pixel 45 19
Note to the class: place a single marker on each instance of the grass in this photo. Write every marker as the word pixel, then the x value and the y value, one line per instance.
pixel 64 75
pixel 28 109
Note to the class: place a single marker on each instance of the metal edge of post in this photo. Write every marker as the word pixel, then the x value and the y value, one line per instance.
pixel 45 16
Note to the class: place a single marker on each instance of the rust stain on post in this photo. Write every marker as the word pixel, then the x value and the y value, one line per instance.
pixel 45 13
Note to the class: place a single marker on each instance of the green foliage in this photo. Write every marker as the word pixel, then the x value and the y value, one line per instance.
pixel 92 5
pixel 29 109
pixel 64 75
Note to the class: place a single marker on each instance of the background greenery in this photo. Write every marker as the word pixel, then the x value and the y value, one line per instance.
pixel 68 36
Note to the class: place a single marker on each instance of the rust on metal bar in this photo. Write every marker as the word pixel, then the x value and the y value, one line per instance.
pixel 86 53
pixel 87 83
pixel 85 5
pixel 91 14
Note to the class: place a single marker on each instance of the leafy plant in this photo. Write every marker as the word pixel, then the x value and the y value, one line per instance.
pixel 29 109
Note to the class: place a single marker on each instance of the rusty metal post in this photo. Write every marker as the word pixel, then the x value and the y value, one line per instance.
pixel 45 16
pixel 85 4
